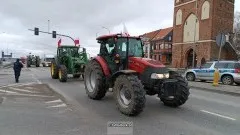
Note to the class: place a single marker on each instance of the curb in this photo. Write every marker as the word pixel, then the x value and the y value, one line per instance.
pixel 216 91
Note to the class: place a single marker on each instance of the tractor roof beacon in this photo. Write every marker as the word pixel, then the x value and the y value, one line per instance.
pixel 69 60
pixel 120 65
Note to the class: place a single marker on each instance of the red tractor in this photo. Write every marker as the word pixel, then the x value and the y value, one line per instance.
pixel 121 65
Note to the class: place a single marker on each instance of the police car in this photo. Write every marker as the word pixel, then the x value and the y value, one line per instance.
pixel 229 72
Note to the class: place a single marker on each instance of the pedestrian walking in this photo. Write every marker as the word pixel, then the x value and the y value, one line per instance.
pixel 17 69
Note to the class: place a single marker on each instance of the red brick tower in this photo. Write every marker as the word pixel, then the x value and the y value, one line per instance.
pixel 196 25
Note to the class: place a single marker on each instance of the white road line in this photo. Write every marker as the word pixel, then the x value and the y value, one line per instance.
pixel 219 115
pixel 54 101
pixel 22 90
pixel 61 105
pixel 17 84
pixel 28 95
pixel 6 91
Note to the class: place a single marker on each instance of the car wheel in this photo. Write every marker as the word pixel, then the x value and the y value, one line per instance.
pixel 190 77
pixel 227 80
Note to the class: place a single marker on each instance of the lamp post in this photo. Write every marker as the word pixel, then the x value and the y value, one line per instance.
pixel 106 29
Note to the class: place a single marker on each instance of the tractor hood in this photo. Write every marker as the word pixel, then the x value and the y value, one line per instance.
pixel 146 62
pixel 141 64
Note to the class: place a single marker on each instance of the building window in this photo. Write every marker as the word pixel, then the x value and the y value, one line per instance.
pixel 159 57
pixel 191 34
pixel 170 38
pixel 179 17
pixel 166 46
pixel 155 57
pixel 205 10
pixel 162 46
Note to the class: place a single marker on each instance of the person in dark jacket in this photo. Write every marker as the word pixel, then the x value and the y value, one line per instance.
pixel 17 67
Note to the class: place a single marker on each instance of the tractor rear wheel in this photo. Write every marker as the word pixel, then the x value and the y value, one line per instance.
pixel 95 81
pixel 129 95
pixel 62 73
pixel 54 70
pixel 182 92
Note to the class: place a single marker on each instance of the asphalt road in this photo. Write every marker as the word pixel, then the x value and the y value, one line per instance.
pixel 205 113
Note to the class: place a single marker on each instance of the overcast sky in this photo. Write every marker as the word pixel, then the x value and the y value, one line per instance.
pixel 81 19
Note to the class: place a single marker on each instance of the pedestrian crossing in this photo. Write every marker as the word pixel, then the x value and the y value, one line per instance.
pixel 35 92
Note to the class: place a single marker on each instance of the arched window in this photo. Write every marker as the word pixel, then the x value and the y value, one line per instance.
pixel 205 10
pixel 179 17
pixel 190 34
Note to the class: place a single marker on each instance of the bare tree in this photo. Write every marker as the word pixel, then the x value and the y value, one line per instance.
pixel 236 39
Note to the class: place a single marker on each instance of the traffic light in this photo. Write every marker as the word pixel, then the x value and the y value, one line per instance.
pixel 54 34
pixel 36 31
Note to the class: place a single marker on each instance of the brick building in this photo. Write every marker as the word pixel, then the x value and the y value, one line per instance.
pixel 160 43
pixel 196 25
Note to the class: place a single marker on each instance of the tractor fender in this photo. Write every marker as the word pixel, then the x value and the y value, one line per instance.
pixel 104 65
pixel 121 72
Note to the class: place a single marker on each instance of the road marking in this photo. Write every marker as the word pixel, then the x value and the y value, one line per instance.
pixel 54 101
pixel 219 115
pixel 6 91
pixel 17 84
pixel 22 90
pixel 61 105
pixel 28 95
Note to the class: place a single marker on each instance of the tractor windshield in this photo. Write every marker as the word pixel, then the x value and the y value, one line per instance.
pixel 135 47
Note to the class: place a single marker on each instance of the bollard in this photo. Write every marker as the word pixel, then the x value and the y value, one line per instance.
pixel 216 77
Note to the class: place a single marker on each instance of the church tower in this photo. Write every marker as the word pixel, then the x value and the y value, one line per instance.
pixel 196 25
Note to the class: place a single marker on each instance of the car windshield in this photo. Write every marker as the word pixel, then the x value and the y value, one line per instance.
pixel 49 59
pixel 207 65
pixel 135 47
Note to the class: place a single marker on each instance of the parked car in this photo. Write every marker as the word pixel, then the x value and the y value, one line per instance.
pixel 229 72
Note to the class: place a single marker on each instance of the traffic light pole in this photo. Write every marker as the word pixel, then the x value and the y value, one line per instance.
pixel 56 34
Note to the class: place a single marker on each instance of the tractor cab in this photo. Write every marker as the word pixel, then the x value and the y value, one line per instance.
pixel 115 49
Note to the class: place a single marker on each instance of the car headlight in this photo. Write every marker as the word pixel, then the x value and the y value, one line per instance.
pixel 159 76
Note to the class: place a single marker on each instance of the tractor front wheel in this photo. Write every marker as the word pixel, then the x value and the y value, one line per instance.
pixel 95 81
pixel 62 73
pixel 54 70
pixel 181 94
pixel 129 95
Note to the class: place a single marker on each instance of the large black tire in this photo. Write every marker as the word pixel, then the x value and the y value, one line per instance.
pixel 62 73
pixel 129 95
pixel 95 81
pixel 54 70
pixel 182 92
pixel 76 75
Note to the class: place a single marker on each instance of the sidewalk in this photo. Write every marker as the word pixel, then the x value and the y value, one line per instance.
pixel 207 86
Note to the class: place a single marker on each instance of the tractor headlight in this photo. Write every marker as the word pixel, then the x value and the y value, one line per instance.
pixel 159 76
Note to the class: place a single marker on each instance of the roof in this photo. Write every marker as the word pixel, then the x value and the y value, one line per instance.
pixel 151 35
pixel 114 35
pixel 163 33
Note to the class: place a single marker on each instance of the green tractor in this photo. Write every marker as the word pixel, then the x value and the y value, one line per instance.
pixel 33 60
pixel 69 60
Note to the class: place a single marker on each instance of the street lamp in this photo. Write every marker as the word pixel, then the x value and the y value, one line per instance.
pixel 106 29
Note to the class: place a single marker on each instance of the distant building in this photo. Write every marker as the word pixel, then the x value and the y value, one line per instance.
pixel 160 44
pixel 196 26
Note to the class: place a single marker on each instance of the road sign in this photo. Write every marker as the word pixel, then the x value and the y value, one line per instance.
pixel 221 39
